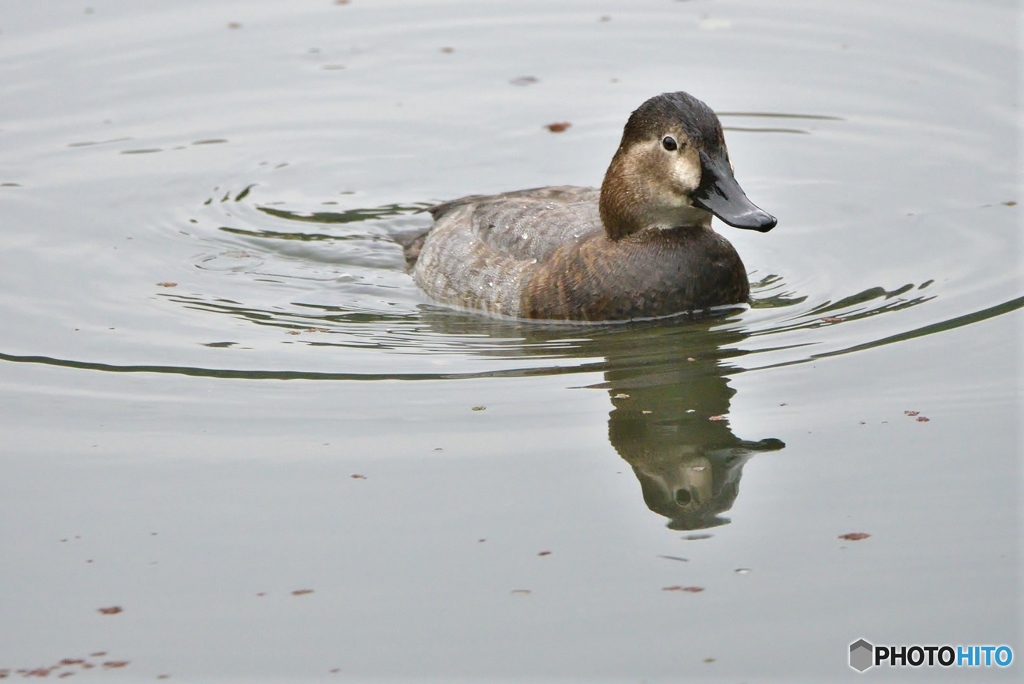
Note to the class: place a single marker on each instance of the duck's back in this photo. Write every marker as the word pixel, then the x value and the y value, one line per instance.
pixel 483 248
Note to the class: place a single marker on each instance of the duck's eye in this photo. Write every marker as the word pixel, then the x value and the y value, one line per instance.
pixel 669 143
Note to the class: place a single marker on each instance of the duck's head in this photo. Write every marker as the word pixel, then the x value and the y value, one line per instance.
pixel 672 169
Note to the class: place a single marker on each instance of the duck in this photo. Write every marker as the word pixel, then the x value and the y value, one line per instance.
pixel 640 247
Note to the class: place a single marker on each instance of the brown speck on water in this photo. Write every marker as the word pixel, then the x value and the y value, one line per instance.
pixel 302 592
pixel 911 413
pixel 479 408
pixel 832 319
pixel 447 50
pixel 167 284
pixel 558 126
pixel 62 675
pixel 112 610
pixel 716 418
pixel 521 592
pixel 709 660
pixel 115 663
pixel 854 536
pixel 524 80
pixel 357 476
pixel 163 676
pixel 544 553
pixel 676 587
pixel 605 17
pixel 340 2
pixel 234 25
pixel 1011 203
pixel 261 593
pixel 293 332
pixel 481 541
pixel 71 661
pixel 923 419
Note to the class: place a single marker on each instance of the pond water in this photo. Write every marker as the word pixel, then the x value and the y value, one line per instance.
pixel 229 413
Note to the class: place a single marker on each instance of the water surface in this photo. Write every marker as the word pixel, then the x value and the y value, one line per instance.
pixel 220 387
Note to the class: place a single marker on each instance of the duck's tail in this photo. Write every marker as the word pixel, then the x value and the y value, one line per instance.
pixel 411 244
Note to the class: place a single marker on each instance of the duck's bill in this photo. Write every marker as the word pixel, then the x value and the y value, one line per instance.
pixel 720 194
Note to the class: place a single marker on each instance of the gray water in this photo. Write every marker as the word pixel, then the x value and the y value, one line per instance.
pixel 219 387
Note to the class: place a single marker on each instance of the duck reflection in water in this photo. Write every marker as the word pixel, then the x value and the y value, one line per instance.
pixel 668 383
pixel 669 424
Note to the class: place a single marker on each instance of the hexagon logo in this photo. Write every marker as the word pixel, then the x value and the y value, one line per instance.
pixel 861 655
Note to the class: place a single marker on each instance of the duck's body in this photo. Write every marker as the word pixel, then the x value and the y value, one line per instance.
pixel 640 247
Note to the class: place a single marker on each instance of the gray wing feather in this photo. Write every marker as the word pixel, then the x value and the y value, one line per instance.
pixel 482 248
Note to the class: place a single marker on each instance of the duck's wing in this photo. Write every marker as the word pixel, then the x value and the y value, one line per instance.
pixel 532 224
pixel 482 249
pixel 548 217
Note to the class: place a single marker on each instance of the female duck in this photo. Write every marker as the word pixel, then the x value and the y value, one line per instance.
pixel 640 247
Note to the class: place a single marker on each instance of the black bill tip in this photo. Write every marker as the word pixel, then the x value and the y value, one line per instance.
pixel 754 219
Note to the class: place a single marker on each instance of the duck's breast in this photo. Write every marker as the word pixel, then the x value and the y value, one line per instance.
pixel 646 275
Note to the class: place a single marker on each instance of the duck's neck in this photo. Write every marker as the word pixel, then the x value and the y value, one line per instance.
pixel 629 205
